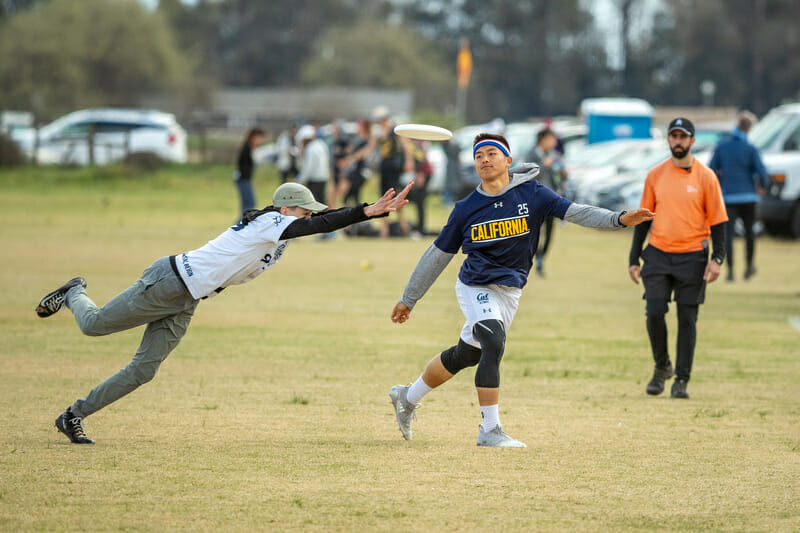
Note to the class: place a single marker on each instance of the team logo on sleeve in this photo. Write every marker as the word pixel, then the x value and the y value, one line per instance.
pixel 496 230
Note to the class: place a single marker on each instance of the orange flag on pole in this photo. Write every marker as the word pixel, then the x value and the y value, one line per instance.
pixel 464 63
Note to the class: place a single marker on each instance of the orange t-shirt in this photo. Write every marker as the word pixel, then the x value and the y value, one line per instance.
pixel 687 202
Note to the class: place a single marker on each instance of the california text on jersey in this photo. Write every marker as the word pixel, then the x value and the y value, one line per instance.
pixel 499 229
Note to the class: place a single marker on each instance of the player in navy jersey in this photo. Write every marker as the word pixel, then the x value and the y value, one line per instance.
pixel 497 228
pixel 169 290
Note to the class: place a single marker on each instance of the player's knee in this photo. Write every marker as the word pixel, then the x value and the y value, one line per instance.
pixel 144 373
pixel 656 307
pixel 459 357
pixel 492 337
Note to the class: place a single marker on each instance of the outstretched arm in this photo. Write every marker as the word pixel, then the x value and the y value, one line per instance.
pixel 341 218
pixel 430 266
pixel 597 217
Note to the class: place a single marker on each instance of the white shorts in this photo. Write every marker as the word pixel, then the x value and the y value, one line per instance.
pixel 486 302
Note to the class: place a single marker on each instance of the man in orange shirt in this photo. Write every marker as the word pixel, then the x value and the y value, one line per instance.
pixel 687 199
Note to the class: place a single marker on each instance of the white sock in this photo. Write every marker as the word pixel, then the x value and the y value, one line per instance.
pixel 417 390
pixel 491 416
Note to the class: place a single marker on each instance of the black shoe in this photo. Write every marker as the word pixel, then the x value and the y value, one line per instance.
pixel 679 389
pixel 730 275
pixel 750 272
pixel 660 375
pixel 51 303
pixel 72 426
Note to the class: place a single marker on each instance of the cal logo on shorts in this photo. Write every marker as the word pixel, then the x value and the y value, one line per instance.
pixel 496 230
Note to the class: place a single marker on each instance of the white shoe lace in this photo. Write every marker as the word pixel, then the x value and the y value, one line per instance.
pixel 77 427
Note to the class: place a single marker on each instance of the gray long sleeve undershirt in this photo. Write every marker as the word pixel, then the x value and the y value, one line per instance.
pixel 592 217
pixel 429 267
pixel 434 261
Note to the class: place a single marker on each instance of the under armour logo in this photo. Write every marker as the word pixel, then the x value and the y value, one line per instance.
pixel 689 188
pixel 498 204
pixel 679 122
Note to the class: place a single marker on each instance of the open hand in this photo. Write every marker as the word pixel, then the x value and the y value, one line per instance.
pixel 637 216
pixel 400 313
pixel 388 202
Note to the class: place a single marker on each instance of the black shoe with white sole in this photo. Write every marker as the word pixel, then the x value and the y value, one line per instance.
pixel 53 301
pixel 72 426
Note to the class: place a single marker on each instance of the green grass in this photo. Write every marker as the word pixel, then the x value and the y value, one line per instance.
pixel 273 413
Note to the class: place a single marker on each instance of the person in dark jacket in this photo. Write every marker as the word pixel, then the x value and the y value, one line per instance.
pixel 244 169
pixel 741 175
pixel 552 175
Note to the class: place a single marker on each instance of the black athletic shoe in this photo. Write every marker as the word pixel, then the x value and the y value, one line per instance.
pixel 679 389
pixel 660 375
pixel 53 301
pixel 750 272
pixel 72 426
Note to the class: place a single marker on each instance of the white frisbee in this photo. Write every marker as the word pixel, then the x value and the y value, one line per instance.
pixel 423 132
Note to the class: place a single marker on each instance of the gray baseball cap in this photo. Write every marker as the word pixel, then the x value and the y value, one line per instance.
pixel 296 195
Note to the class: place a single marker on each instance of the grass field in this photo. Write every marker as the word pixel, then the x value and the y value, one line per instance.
pixel 273 413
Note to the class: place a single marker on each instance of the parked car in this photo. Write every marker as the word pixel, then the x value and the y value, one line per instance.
pixel 777 136
pixel 595 163
pixel 117 133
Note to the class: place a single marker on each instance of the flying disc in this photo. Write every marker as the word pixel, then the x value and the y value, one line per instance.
pixel 423 132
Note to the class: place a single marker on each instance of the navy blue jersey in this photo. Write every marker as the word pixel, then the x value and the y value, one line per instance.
pixel 500 234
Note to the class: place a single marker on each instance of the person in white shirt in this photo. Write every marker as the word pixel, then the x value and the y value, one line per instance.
pixel 169 290
pixel 315 171
pixel 287 154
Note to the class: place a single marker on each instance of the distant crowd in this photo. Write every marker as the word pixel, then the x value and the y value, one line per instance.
pixel 335 160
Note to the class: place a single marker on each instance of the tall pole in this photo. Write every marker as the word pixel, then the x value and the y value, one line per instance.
pixel 464 71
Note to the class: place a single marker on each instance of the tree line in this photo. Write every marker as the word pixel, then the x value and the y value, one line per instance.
pixel 531 57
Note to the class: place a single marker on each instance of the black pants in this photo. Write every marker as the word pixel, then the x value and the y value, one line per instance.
pixel 317 188
pixel 663 275
pixel 548 236
pixel 417 196
pixel 687 336
pixel 746 212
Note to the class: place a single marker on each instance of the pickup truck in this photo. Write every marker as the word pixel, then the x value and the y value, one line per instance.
pixel 777 136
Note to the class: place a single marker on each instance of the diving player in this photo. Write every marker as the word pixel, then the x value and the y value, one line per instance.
pixel 497 227
pixel 169 290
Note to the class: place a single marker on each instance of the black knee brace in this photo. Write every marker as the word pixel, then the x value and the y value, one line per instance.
pixel 459 357
pixel 492 336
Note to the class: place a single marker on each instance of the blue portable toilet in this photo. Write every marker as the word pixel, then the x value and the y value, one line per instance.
pixel 616 118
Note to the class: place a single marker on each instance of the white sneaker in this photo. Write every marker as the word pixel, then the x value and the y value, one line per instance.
pixel 403 410
pixel 497 437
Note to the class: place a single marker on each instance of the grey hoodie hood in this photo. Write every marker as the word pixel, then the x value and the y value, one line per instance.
pixel 518 175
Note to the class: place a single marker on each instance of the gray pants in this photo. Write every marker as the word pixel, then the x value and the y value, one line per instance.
pixel 160 300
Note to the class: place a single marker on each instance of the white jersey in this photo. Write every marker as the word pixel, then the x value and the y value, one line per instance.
pixel 237 256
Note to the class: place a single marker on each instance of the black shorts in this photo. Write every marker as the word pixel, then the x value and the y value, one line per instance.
pixel 390 180
pixel 317 188
pixel 666 273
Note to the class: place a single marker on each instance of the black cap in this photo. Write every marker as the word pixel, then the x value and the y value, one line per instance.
pixel 683 124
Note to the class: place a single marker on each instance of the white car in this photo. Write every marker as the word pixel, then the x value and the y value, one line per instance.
pixel 117 134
